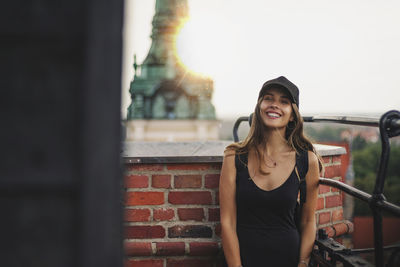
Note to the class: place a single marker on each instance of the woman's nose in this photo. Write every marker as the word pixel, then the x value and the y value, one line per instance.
pixel 274 104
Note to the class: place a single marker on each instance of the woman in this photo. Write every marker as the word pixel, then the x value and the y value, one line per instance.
pixel 259 186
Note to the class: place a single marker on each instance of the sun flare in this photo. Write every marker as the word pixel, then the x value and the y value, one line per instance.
pixel 199 46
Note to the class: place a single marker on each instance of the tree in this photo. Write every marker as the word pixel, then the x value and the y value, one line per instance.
pixel 358 143
pixel 366 163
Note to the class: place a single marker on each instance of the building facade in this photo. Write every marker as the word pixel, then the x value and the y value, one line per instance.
pixel 168 102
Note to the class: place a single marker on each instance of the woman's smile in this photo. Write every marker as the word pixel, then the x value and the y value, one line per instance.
pixel 273 115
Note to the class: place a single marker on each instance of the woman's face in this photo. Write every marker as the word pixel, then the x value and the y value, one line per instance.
pixel 276 108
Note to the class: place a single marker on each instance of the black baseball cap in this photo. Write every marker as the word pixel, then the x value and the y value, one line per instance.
pixel 282 82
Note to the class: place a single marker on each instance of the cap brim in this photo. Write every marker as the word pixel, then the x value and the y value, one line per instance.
pixel 281 85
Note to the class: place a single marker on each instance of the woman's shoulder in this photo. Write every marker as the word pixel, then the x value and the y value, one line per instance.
pixel 234 149
pixel 229 156
pixel 309 154
pixel 229 160
pixel 314 164
pixel 229 151
pixel 308 158
pixel 312 157
pixel 236 154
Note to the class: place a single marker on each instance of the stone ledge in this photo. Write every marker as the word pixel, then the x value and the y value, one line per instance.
pixel 188 152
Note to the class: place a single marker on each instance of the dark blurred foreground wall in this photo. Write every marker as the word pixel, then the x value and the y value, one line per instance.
pixel 60 65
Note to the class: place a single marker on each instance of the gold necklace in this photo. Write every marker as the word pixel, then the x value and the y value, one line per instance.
pixel 274 164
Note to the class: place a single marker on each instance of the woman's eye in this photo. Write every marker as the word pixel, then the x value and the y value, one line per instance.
pixel 286 102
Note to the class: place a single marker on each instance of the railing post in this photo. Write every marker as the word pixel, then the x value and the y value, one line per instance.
pixel 236 126
pixel 378 240
pixel 387 129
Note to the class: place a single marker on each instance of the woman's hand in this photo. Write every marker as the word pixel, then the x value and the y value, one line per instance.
pixel 303 263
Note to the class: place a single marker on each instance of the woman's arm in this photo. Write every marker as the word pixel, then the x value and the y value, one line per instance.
pixel 227 202
pixel 308 224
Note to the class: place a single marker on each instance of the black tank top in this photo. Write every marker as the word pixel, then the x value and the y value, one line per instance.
pixel 266 226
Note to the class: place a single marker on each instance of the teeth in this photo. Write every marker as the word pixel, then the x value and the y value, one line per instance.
pixel 273 115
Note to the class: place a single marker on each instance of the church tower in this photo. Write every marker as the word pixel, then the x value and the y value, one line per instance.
pixel 169 103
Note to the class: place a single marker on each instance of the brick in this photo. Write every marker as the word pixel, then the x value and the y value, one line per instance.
pixel 144 263
pixel 336 159
pixel 218 230
pixel 163 214
pixel 192 231
pixel 170 248
pixel 320 203
pixel 136 181
pixel 350 225
pixel 144 198
pixel 213 214
pixel 333 189
pixel 190 263
pixel 161 181
pixel 187 181
pixel 198 166
pixel 203 248
pixel 326 160
pixel 341 229
pixel 337 215
pixel 190 197
pixel 323 189
pixel 137 215
pixel 332 171
pixel 216 166
pixel 137 248
pixel 187 214
pixel 144 167
pixel 324 217
pixel 211 180
pixel 333 201
pixel 144 231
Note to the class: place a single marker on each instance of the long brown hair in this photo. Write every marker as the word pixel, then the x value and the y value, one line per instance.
pixel 257 136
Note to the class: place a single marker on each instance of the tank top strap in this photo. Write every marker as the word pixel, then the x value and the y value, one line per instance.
pixel 302 167
pixel 302 163
pixel 241 161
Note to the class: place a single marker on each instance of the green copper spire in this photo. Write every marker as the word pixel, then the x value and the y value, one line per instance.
pixel 162 88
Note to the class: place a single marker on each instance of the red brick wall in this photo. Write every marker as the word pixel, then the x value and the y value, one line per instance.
pixel 329 214
pixel 172 213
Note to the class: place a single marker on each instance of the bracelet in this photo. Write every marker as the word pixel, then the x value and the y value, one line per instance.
pixel 303 262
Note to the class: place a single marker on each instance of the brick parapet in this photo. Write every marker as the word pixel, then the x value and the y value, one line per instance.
pixel 172 212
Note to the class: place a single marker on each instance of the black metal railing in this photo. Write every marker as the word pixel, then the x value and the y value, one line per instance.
pixel 329 252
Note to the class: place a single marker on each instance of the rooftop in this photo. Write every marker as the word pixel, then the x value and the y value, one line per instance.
pixel 179 152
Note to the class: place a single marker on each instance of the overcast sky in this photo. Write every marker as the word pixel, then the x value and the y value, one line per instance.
pixel 344 55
